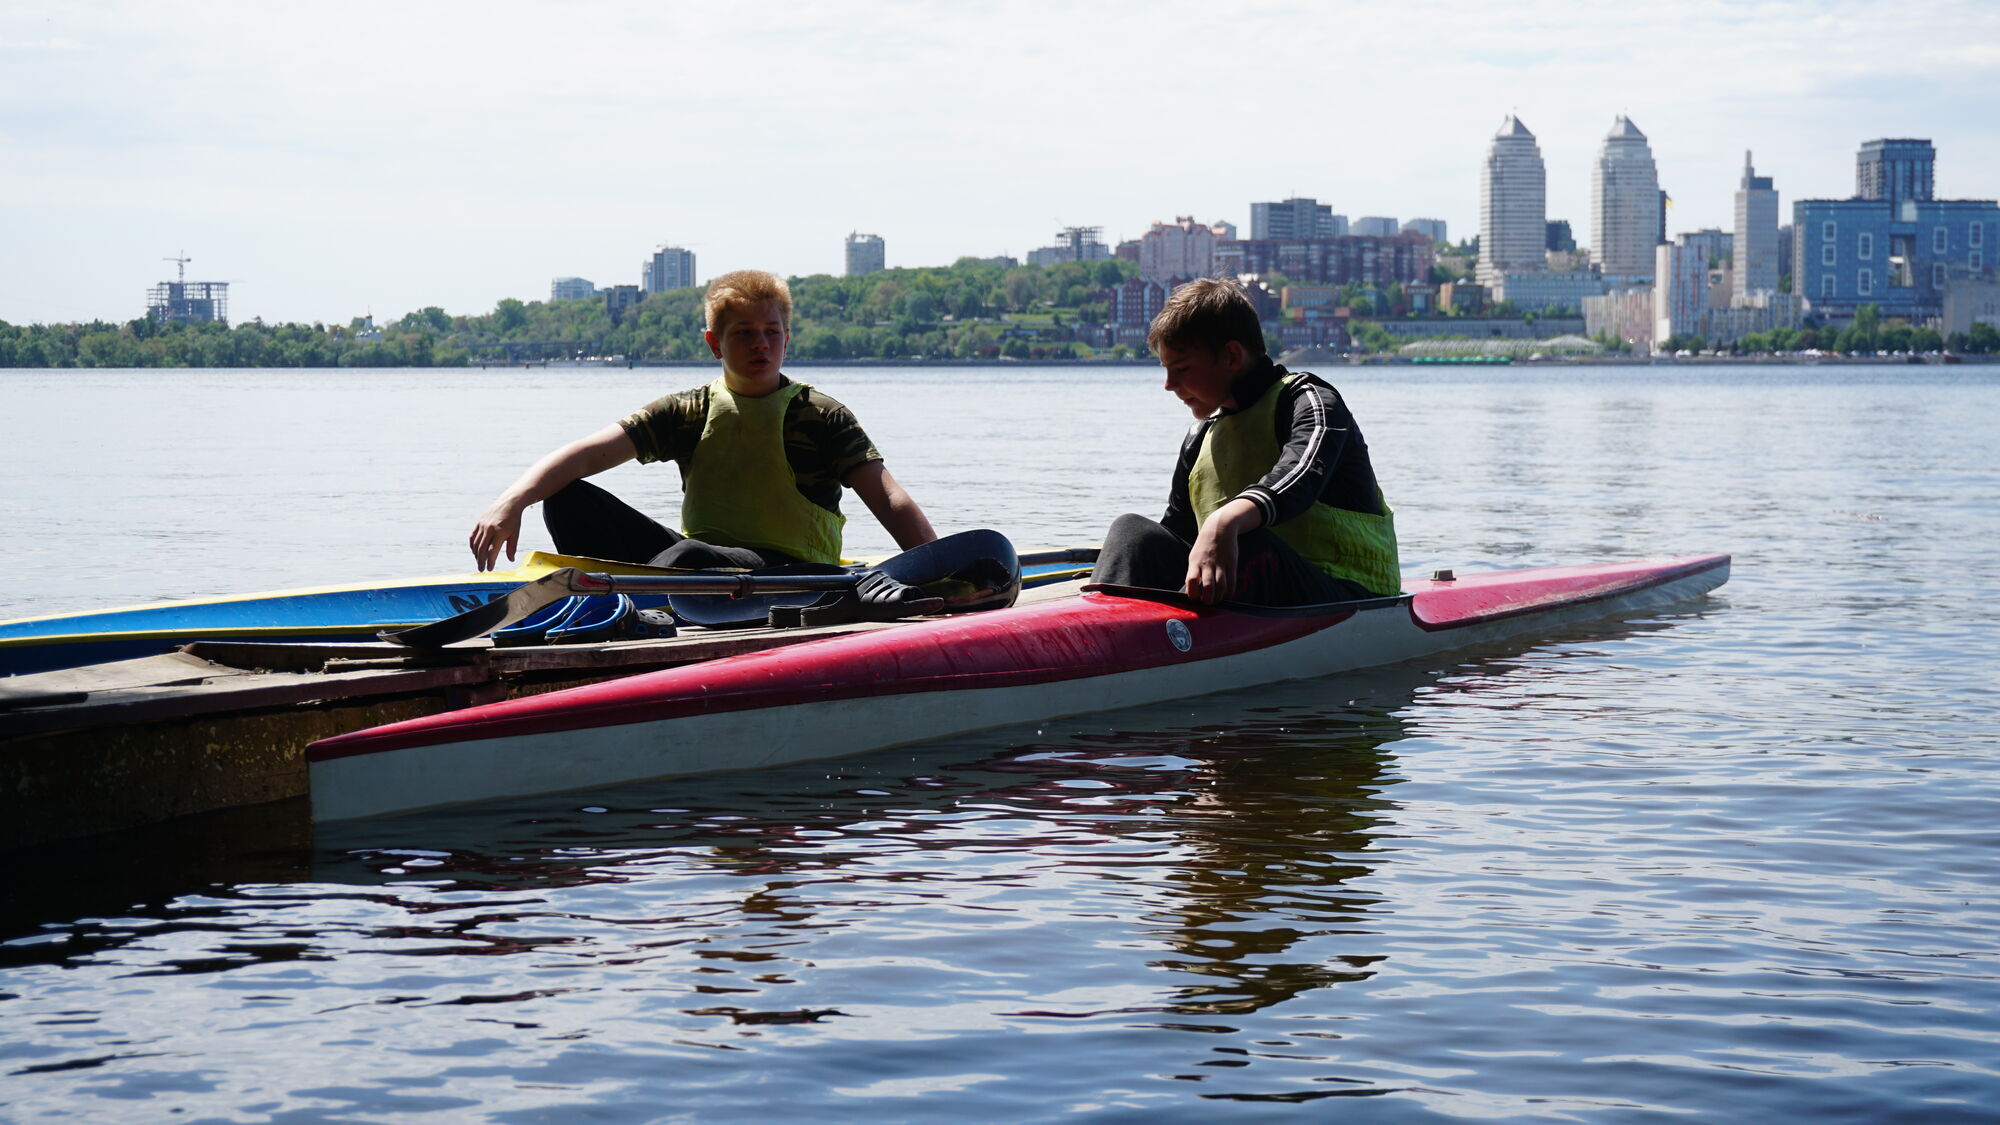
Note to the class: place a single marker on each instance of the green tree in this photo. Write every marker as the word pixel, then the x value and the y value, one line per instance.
pixel 1020 289
pixel 429 316
pixel 509 315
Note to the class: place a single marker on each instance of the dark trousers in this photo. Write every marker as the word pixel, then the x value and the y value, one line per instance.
pixel 1142 552
pixel 584 519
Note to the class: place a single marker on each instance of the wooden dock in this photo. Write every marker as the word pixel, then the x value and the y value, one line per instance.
pixel 221 725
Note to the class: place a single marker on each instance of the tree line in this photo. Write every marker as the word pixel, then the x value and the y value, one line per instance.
pixel 1866 334
pixel 972 309
pixel 975 308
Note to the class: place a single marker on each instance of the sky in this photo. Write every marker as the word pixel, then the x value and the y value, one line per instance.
pixel 334 160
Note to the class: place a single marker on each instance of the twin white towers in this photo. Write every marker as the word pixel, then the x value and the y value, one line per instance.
pixel 1625 204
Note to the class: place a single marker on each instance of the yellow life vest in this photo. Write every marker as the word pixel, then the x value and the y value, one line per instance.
pixel 1239 450
pixel 740 490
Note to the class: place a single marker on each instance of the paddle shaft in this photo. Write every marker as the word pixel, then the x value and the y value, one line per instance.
pixel 1059 555
pixel 735 585
pixel 557 585
pixel 980 567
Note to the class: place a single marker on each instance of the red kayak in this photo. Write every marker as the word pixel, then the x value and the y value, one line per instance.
pixel 1099 650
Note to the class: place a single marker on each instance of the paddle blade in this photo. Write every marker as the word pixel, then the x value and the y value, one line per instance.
pixel 498 613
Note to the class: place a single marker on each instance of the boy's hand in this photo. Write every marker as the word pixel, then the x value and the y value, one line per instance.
pixel 1211 573
pixel 499 527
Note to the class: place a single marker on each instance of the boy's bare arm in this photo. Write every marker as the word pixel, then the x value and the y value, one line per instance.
pixel 500 526
pixel 894 509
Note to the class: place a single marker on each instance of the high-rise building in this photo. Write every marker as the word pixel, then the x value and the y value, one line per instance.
pixel 670 267
pixel 1179 251
pixel 866 253
pixel 1513 205
pixel 1374 226
pixel 1893 245
pixel 619 300
pixel 1405 258
pixel 1625 203
pixel 1711 247
pixel 571 289
pixel 1073 244
pixel 1296 218
pixel 1893 170
pixel 1432 229
pixel 188 302
pixel 1755 266
pixel 1680 289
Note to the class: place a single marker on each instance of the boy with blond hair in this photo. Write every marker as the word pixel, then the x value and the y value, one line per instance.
pixel 762 457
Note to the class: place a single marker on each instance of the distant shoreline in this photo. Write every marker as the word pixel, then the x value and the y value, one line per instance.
pixel 1355 361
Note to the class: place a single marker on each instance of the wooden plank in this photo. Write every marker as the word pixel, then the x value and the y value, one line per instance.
pixel 12 697
pixel 269 656
pixel 139 671
pixel 246 691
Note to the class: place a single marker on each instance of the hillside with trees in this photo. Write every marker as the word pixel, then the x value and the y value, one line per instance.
pixel 973 309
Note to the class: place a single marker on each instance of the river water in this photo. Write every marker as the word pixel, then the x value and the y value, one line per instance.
pixel 1734 861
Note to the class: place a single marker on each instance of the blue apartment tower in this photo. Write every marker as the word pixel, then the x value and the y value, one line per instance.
pixel 1893 244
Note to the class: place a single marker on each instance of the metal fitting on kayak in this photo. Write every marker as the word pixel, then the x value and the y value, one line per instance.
pixel 1443 576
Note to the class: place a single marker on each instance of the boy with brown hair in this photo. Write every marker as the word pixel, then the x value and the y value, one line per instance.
pixel 1274 500
pixel 762 457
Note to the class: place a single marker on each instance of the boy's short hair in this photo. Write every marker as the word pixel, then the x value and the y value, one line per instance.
pixel 745 287
pixel 1207 313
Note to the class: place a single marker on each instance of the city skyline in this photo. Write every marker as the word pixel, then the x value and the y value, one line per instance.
pixel 335 161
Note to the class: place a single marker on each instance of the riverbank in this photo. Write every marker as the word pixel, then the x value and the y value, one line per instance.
pixel 1327 360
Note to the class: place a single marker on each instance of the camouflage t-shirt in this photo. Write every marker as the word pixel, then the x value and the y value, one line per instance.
pixel 823 441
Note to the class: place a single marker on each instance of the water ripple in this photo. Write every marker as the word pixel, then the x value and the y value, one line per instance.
pixel 1730 861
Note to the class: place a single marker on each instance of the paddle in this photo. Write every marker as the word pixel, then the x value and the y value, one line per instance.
pixel 717 612
pixel 969 571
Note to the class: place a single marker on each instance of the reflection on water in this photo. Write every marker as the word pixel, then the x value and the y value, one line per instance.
pixel 1266 813
pixel 1732 861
